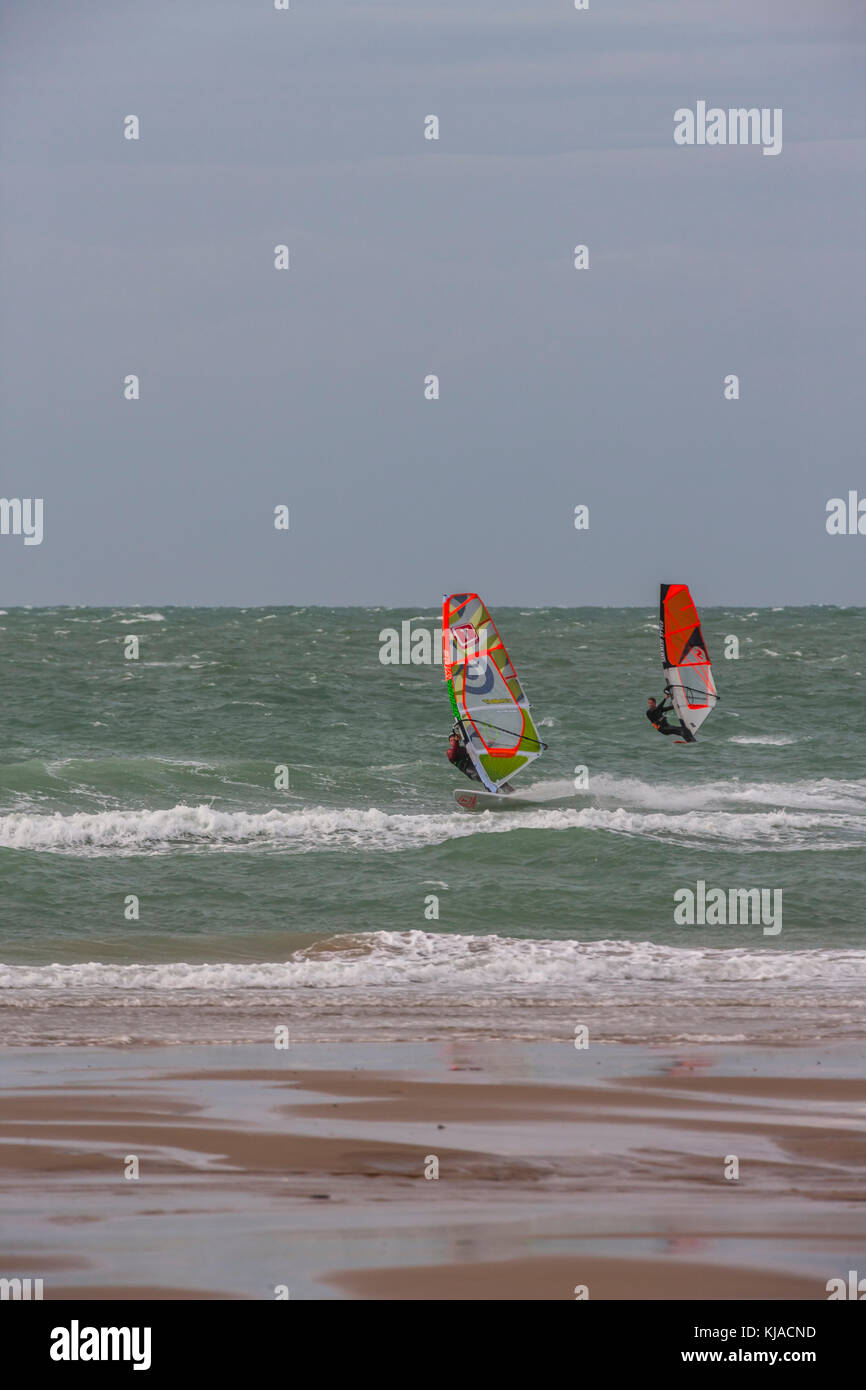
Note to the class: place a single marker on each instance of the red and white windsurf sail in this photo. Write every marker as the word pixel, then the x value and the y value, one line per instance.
pixel 686 661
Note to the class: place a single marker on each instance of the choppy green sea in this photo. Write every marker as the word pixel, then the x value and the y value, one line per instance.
pixel 157 885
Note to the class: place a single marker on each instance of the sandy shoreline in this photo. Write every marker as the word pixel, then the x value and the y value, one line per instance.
pixel 606 1170
pixel 558 1277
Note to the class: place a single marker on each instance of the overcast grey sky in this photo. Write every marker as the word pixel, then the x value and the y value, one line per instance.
pixel 410 257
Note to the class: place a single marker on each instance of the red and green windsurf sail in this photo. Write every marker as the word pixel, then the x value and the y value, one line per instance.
pixel 686 661
pixel 486 697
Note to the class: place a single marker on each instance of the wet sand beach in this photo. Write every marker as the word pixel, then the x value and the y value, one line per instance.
pixel 305 1170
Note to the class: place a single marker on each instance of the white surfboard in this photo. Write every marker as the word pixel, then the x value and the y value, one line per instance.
pixel 490 801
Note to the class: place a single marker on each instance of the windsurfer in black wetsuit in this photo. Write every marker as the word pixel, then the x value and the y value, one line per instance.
pixel 459 757
pixel 656 716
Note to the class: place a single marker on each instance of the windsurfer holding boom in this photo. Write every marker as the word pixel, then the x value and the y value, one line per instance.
pixel 656 716
pixel 459 757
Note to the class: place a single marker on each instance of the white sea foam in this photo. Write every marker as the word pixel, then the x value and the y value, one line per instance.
pixel 395 960
pixel 796 819
pixel 778 740
pixel 827 793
